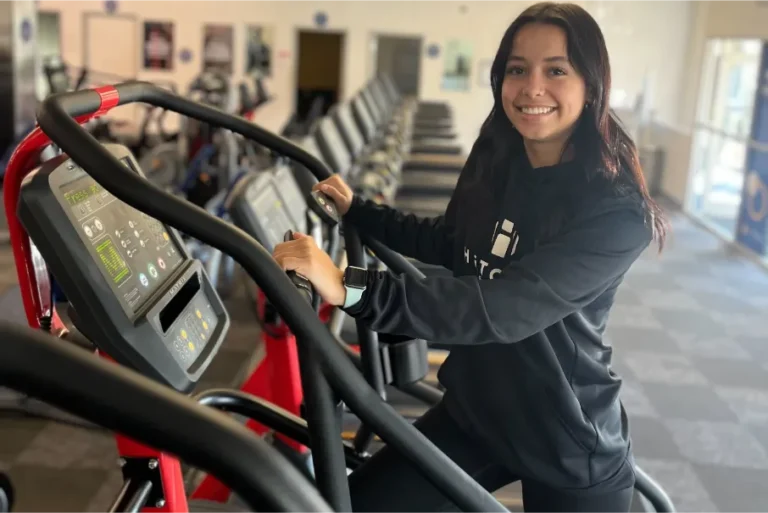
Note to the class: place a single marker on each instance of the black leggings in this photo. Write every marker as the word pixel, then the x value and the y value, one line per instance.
pixel 388 481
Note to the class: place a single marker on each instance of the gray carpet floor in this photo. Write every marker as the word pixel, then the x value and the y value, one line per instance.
pixel 689 331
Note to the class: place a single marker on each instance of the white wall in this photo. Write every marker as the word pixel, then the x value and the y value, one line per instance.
pixel 643 38
pixel 709 20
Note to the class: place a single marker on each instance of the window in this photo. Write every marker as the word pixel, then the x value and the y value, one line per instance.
pixel 723 125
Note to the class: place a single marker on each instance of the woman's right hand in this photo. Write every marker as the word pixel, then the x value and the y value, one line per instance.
pixel 337 189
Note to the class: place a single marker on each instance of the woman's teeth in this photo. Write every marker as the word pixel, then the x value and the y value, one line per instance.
pixel 537 111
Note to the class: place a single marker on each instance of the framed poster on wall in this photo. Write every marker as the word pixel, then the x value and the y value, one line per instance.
pixel 158 45
pixel 457 65
pixel 259 44
pixel 218 48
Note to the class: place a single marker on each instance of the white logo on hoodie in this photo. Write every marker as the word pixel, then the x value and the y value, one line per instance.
pixel 504 243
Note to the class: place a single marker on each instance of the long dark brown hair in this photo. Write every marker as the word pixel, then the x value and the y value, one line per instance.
pixel 600 142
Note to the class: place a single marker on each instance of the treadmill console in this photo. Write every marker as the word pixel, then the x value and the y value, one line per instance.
pixel 134 290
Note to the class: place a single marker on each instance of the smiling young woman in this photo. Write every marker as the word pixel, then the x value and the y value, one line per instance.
pixel 549 213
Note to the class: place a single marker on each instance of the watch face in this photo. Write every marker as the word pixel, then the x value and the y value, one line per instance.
pixel 355 277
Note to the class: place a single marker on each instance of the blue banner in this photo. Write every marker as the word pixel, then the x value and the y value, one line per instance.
pixel 752 227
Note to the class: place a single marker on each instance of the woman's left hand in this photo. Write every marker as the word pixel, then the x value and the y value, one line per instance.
pixel 303 256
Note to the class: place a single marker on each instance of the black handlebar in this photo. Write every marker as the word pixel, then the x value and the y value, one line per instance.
pixel 122 400
pixel 55 119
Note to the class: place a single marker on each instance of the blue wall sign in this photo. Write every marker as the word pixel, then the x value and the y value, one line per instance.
pixel 110 6
pixel 26 30
pixel 321 19
pixel 433 50
pixel 185 55
pixel 752 227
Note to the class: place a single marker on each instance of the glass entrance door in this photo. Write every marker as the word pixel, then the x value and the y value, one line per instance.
pixel 723 123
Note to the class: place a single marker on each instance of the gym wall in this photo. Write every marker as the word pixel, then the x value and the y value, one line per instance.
pixel 708 20
pixel 645 39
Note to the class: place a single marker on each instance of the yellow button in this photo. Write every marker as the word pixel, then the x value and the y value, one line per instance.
pixel 191 346
pixel 183 334
pixel 199 315
pixel 165 236
pixel 205 325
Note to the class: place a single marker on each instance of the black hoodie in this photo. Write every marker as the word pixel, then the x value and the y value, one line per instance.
pixel 537 256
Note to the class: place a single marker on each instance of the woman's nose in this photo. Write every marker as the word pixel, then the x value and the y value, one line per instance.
pixel 534 85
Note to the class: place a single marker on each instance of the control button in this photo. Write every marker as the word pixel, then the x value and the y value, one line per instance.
pixel 191 346
pixel 161 263
pixel 166 236
pixel 98 225
pixel 130 224
pixel 143 279
pixel 184 334
pixel 142 243
pixel 136 233
pixel 199 315
pixel 152 270
pixel 88 231
pixel 205 325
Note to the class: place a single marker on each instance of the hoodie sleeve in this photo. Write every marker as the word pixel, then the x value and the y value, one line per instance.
pixel 529 295
pixel 430 240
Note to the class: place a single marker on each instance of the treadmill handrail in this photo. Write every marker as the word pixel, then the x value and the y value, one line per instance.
pixel 55 117
pixel 120 399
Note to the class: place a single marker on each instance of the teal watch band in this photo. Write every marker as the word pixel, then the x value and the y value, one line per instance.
pixel 353 296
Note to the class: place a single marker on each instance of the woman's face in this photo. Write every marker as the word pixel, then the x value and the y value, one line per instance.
pixel 542 94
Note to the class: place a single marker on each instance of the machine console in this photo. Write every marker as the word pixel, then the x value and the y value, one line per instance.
pixel 349 130
pixel 257 207
pixel 364 116
pixel 331 143
pixel 134 290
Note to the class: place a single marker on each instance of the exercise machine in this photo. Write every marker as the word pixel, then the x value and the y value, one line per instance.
pixel 172 305
pixel 323 362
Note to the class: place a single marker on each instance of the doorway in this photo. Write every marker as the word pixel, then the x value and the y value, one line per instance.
pixel 111 54
pixel 320 65
pixel 400 57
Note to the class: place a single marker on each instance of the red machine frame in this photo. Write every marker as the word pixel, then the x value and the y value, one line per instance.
pixel 276 379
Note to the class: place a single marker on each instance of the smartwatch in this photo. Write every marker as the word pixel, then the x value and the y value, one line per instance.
pixel 355 282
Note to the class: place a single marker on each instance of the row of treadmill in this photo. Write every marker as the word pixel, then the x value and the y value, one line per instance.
pixel 90 220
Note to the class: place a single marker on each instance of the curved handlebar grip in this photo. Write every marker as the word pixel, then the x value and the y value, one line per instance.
pixel 100 101
pixel 122 400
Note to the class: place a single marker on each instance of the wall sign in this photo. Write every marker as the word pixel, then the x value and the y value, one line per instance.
pixel 321 19
pixel 433 50
pixel 753 212
pixel 185 55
